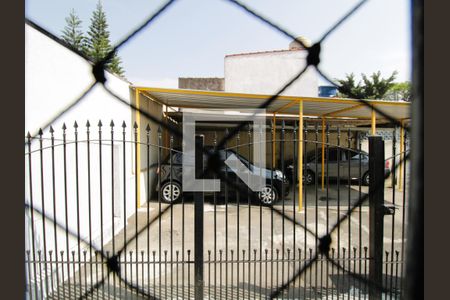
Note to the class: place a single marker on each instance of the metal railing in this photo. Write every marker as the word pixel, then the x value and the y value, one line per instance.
pixel 92 235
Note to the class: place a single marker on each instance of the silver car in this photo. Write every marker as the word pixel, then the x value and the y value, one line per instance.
pixel 337 163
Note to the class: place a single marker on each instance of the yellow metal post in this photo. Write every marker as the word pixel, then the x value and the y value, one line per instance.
pixel 300 156
pixel 138 149
pixel 166 135
pixel 374 122
pixel 402 156
pixel 274 135
pixel 323 154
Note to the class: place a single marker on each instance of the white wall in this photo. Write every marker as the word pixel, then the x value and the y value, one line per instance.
pixel 55 76
pixel 266 73
pixel 388 155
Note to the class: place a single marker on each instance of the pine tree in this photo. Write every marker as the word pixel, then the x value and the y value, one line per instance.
pixel 98 44
pixel 72 33
pixel 115 65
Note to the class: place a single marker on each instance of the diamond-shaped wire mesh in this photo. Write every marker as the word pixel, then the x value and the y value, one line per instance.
pixel 318 256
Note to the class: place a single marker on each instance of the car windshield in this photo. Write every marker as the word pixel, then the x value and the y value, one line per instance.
pixel 357 155
pixel 332 153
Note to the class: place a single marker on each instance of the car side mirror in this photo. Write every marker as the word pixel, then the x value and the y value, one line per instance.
pixel 388 209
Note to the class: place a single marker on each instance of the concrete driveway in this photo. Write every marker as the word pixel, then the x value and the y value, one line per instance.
pixel 272 236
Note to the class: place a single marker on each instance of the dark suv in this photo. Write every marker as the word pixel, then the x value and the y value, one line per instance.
pixel 171 178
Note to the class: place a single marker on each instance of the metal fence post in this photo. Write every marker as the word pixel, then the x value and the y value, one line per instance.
pixel 414 268
pixel 376 199
pixel 198 226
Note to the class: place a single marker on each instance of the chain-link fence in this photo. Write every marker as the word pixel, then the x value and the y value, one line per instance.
pixel 110 264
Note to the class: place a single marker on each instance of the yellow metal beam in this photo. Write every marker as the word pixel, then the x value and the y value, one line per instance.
pixel 286 106
pixel 374 122
pixel 138 149
pixel 343 110
pixel 300 156
pixel 165 135
pixel 323 154
pixel 151 98
pixel 274 135
pixel 353 118
pixel 402 156
pixel 265 97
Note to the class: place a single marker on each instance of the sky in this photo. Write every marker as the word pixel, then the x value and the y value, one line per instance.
pixel 192 37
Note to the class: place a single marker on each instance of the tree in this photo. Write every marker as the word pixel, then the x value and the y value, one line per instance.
pixel 400 91
pixel 374 87
pixel 98 44
pixel 72 33
pixel 115 65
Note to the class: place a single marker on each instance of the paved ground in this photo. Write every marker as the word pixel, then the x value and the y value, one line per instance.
pixel 216 292
pixel 255 229
pixel 255 221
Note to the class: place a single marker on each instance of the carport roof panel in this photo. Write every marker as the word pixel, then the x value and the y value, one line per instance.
pixel 312 106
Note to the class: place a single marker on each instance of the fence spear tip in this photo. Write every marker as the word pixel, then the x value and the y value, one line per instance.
pixel 88 124
pixel 100 123
pixel 123 124
pixel 112 123
pixel 148 128
pixel 40 131
pixel 75 124
pixel 28 135
pixel 159 129
pixel 64 127
pixel 135 126
pixel 51 129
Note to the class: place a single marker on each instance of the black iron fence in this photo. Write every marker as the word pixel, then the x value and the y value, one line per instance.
pixel 100 225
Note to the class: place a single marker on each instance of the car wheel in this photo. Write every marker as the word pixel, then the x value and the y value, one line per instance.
pixel 365 179
pixel 308 177
pixel 171 192
pixel 268 195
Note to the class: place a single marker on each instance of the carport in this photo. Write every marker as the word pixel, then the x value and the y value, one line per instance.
pixel 320 109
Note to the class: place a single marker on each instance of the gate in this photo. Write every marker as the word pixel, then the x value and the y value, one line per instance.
pixel 106 216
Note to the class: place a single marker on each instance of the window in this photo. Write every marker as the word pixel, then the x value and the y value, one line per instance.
pixel 356 155
pixel 332 153
pixel 177 158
